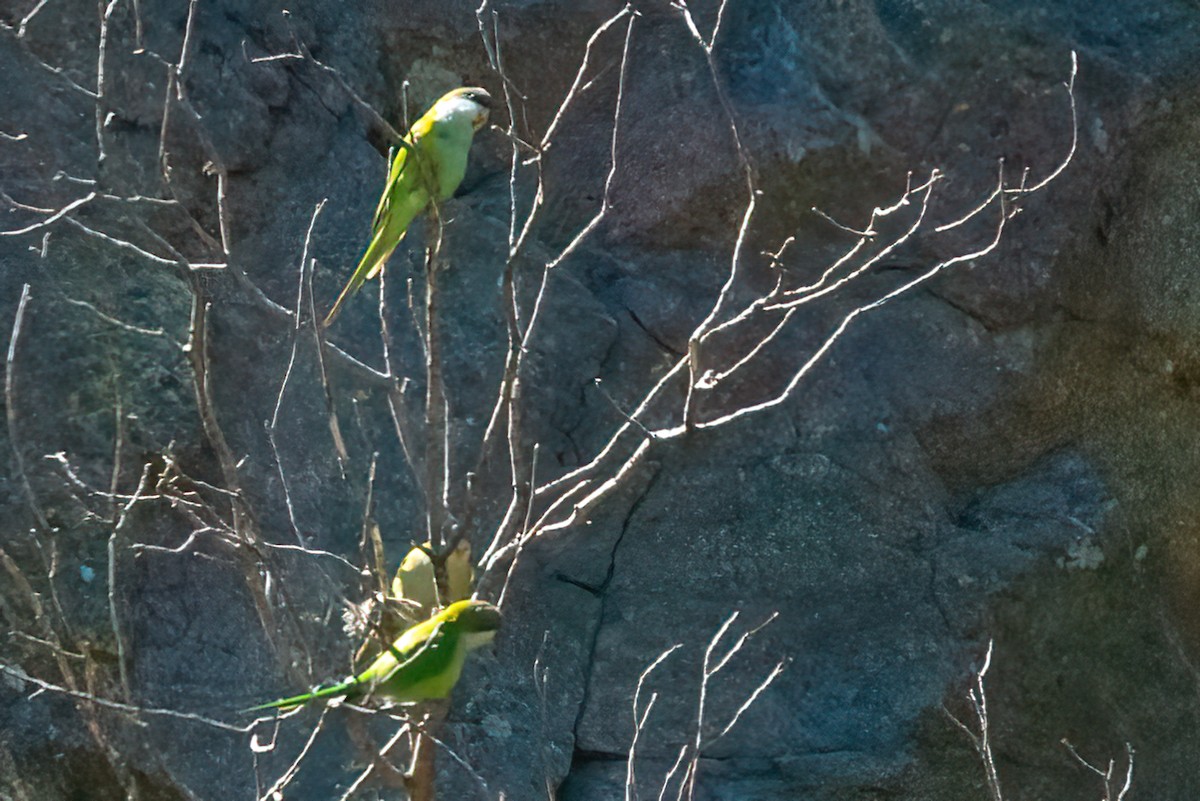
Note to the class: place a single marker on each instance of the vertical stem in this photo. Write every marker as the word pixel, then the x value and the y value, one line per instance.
pixel 421 779
pixel 10 408
pixel 435 411
pixel 422 774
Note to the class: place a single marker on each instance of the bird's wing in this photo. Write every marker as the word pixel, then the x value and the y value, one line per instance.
pixel 403 198
pixel 416 662
pixel 397 169
pixel 405 154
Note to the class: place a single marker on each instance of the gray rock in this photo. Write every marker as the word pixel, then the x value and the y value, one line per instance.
pixel 1003 455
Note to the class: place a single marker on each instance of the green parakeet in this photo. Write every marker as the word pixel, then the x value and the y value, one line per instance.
pixel 415 581
pixel 430 163
pixel 423 663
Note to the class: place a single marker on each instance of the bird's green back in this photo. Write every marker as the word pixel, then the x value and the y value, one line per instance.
pixel 424 662
pixel 430 162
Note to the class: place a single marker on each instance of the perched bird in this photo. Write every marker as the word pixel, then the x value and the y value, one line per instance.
pixel 416 584
pixel 423 663
pixel 429 164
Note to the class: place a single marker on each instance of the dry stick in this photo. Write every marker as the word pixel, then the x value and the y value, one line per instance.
pixel 863 238
pixel 1107 775
pixel 105 17
pixel 91 699
pixel 243 523
pixel 521 540
pixel 25 20
pixel 698 737
pixel 841 328
pixel 370 543
pixel 197 352
pixel 49 635
pixel 582 508
pixel 123 244
pixel 307 267
pixel 397 407
pixel 273 424
pixel 303 53
pixel 362 777
pixel 421 778
pixel 541 680
pixel 174 91
pixel 54 217
pixel 1000 192
pixel 694 341
pixel 479 780
pixel 63 215
pixel 699 743
pixel 10 407
pixel 515 157
pixel 751 698
pixel 10 404
pixel 639 722
pixel 133 329
pixel 137 25
pixel 513 312
pixel 114 618
pixel 507 390
pixel 414 317
pixel 275 791
pixel 583 475
pixel 335 429
pixel 58 72
pixel 666 783
pixel 304 284
pixel 714 377
pixel 505 398
pixel 640 452
pixel 511 388
pixel 436 457
pixel 242 519
pixel 982 741
pixel 422 772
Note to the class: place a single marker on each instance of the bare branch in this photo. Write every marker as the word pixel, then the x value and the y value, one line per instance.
pixel 89 698
pixel 1115 786
pixel 275 791
pixel 639 721
pixel 370 769
pixel 10 408
pixel 57 72
pixel 133 329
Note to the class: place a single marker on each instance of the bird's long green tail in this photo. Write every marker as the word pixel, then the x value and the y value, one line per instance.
pixel 299 700
pixel 367 267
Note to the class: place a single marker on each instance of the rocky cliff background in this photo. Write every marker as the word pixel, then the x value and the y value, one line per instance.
pixel 1006 453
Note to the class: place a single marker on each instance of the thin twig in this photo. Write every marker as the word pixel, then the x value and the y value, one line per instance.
pixel 639 722
pixel 10 408
pixel 136 711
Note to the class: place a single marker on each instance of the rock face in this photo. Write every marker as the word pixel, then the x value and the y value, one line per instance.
pixel 1002 454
